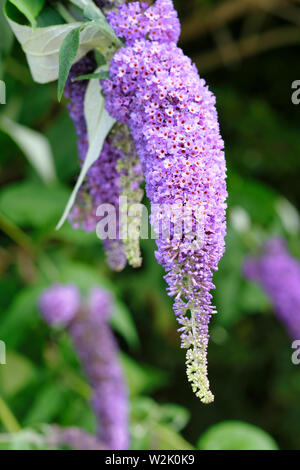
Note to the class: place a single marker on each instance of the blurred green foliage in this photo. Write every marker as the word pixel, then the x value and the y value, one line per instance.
pixel 249 355
pixel 235 435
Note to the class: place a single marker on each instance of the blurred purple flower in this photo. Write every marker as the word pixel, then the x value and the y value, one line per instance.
pixel 98 353
pixel 73 437
pixel 278 273
pixel 59 304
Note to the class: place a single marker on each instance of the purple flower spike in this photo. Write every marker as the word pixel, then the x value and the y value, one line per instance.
pixel 109 178
pixel 278 273
pixel 156 90
pixel 99 355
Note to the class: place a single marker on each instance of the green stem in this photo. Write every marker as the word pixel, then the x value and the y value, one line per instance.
pixel 45 264
pixel 7 418
pixel 77 384
pixel 17 71
pixel 16 234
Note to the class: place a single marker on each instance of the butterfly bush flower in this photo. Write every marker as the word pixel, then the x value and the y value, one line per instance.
pixel 156 90
pixel 59 304
pixel 104 178
pixel 278 273
pixel 87 323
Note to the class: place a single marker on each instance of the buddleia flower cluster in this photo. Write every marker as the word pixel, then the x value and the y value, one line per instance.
pixel 278 274
pixel 115 176
pixel 86 320
pixel 156 91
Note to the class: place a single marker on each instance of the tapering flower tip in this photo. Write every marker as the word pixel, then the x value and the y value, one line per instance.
pixel 156 90
pixel 195 336
pixel 158 22
pixel 100 302
pixel 59 304
pixel 196 370
pixel 278 274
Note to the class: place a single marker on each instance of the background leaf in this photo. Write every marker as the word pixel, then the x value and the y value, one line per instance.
pixel 21 317
pixel 141 377
pixel 6 35
pixel 35 147
pixel 29 8
pixel 17 374
pixel 236 435
pixel 32 203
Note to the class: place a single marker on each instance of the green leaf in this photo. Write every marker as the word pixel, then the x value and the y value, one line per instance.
pixel 92 12
pixel 34 146
pixel 141 378
pixel 149 429
pixel 32 203
pixel 100 59
pixel 67 54
pixel 289 216
pixel 29 8
pixel 6 35
pixel 17 374
pixel 49 17
pixel 77 237
pixel 90 76
pixel 236 435
pixel 83 275
pixel 99 124
pixel 175 415
pixel 166 438
pixel 42 46
pixel 122 322
pixel 5 443
pixel 253 299
pixel 47 404
pixel 21 316
pixel 245 193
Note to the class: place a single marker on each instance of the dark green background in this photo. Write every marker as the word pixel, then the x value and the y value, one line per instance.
pixel 250 366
